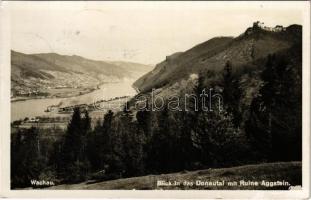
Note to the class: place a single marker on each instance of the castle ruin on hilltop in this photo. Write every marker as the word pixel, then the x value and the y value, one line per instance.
pixel 260 25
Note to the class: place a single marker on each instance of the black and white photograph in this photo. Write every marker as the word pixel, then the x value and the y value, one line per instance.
pixel 157 95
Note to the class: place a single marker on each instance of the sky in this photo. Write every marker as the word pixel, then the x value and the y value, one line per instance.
pixel 143 32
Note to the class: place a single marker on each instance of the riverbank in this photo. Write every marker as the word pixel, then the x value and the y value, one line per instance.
pixel 36 107
pixel 66 94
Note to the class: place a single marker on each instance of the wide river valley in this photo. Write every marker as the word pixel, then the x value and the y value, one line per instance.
pixel 37 107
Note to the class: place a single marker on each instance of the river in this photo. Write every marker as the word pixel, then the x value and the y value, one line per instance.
pixel 36 107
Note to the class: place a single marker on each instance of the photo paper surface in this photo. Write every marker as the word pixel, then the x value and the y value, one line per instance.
pixel 155 99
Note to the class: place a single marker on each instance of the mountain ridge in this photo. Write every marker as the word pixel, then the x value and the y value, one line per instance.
pixel 36 73
pixel 255 43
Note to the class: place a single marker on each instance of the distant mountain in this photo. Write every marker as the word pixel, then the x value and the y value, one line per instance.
pixel 37 73
pixel 252 45
pixel 136 69
pixel 34 64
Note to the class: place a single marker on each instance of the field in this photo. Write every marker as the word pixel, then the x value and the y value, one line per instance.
pixel 287 173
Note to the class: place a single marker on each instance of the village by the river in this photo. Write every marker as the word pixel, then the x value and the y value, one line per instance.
pixel 56 112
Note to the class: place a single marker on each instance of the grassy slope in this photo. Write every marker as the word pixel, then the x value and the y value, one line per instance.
pixel 287 171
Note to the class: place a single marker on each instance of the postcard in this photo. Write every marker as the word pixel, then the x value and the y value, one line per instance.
pixel 155 99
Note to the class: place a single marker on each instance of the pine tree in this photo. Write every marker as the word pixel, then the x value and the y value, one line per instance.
pixel 212 129
pixel 86 123
pixel 106 143
pixel 27 162
pixel 195 110
pixel 74 166
pixel 232 94
pixel 131 146
pixel 187 150
pixel 93 147
pixel 144 120
pixel 198 90
pixel 144 130
pixel 259 124
pixel 275 116
pixel 162 145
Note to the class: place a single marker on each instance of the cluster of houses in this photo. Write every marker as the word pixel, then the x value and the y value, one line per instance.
pixel 33 119
pixel 46 119
pixel 28 92
pixel 82 107
pixel 87 107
